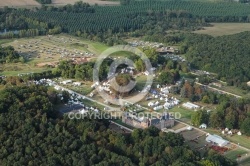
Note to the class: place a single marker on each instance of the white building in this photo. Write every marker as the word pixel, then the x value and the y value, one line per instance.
pixel 190 105
pixel 217 140
pixel 67 82
pixel 77 83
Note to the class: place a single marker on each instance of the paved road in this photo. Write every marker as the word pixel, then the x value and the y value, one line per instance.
pixel 218 90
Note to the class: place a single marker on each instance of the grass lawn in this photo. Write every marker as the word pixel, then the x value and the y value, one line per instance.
pixel 220 29
pixel 92 104
pixel 141 81
pixel 122 54
pixel 4 41
pixel 185 113
pixel 245 162
pixel 84 89
pixel 232 154
pixel 16 69
pixel 232 89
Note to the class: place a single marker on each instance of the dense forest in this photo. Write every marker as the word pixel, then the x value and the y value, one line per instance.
pixel 32 133
pixel 138 18
pixel 226 55
pixel 44 1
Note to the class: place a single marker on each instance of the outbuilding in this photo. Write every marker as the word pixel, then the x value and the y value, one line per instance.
pixel 217 140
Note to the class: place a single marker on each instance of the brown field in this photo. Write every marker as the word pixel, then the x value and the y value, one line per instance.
pixel 18 3
pixel 220 29
pixel 92 2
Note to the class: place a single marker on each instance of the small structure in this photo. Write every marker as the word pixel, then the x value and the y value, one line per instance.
pixel 66 82
pixel 217 140
pixel 77 83
pixel 203 126
pixel 190 105
pixel 239 133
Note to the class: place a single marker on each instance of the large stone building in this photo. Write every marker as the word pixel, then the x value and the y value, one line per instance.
pixel 160 122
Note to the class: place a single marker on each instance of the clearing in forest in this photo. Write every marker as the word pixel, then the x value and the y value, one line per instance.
pixel 220 29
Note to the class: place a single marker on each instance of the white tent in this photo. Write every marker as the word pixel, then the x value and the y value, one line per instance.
pixel 217 139
pixel 203 126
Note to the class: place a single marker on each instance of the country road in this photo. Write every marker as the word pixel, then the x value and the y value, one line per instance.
pixel 218 90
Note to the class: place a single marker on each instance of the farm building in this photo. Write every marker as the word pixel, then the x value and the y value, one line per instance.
pixel 217 140
pixel 190 105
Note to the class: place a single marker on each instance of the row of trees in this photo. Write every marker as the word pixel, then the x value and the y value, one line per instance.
pixel 33 134
pixel 44 1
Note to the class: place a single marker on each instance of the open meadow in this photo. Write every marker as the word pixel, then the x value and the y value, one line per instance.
pixel 34 3
pixel 220 29
pixel 91 2
pixel 44 52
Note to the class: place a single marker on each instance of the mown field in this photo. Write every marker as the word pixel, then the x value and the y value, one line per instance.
pixel 19 3
pixel 34 3
pixel 220 29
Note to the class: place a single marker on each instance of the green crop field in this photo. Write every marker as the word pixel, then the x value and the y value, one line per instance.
pixel 220 29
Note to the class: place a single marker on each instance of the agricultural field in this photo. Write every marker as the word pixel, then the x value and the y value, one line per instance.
pixel 44 52
pixel 19 3
pixel 91 2
pixel 220 29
